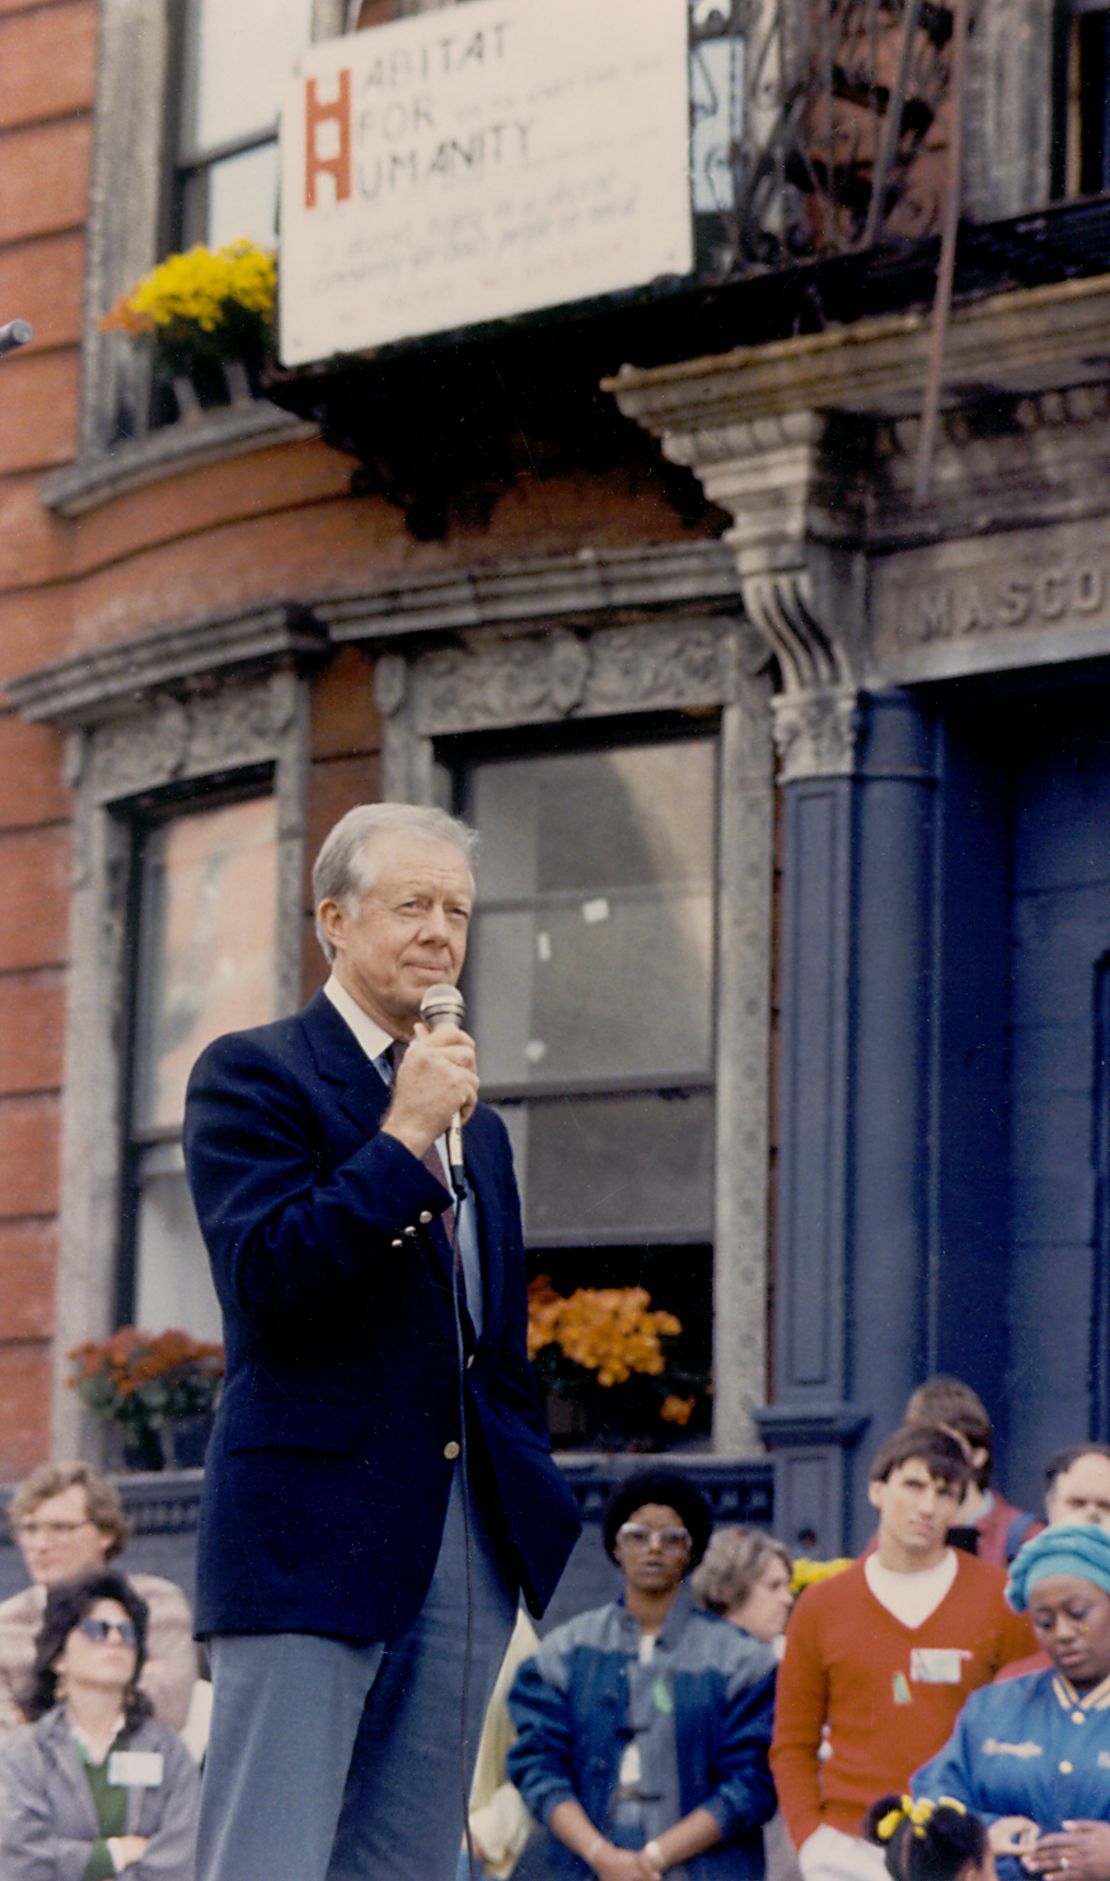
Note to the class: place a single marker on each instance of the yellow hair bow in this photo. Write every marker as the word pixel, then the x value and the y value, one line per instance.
pixel 916 1814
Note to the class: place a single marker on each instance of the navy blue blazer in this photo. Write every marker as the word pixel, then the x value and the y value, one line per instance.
pixel 326 1484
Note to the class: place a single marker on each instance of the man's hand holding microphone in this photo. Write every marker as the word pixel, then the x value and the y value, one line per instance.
pixel 435 1087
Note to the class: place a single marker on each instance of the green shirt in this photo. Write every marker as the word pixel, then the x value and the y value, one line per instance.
pixel 110 1803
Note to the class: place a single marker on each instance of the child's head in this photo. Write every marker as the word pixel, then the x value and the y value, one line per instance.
pixel 926 1841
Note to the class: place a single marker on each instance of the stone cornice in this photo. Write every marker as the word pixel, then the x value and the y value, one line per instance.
pixel 614 586
pixel 609 584
pixel 806 442
pixel 88 688
pixel 1028 341
pixel 192 444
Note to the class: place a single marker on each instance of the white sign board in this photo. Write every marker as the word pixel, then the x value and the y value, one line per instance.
pixel 480 161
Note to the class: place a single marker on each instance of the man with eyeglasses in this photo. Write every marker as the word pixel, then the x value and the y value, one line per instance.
pixel 68 1519
pixel 643 1727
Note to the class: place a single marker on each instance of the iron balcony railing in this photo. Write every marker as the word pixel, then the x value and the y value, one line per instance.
pixel 818 127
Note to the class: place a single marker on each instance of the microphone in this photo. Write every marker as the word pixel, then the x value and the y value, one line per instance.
pixel 445 1005
pixel 16 333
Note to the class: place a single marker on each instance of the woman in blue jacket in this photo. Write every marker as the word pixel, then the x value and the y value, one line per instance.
pixel 1031 1755
pixel 643 1726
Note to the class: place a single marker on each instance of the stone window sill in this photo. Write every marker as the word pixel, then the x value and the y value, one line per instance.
pixel 191 444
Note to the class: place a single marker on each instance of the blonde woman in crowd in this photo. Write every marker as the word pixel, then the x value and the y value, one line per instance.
pixel 745 1576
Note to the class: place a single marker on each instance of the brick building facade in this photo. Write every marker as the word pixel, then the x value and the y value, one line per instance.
pixel 701 606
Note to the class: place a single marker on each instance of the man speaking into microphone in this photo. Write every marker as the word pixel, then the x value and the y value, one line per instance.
pixel 379 1487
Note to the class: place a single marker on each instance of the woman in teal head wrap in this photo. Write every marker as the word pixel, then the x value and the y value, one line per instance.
pixel 1032 1755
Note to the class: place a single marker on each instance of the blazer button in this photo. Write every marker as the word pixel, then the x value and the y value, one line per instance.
pixel 451 1450
pixel 398 1242
pixel 409 1233
pixel 470 1361
pixel 425 1216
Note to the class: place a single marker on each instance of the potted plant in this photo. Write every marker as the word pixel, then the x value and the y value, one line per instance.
pixel 147 1384
pixel 206 318
pixel 601 1354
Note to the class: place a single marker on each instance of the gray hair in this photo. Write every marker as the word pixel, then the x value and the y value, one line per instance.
pixel 345 870
pixel 734 1561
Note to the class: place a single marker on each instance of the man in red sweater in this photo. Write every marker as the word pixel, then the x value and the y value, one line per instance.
pixel 879 1659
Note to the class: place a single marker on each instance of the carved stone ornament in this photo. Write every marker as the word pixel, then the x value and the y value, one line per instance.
pixel 493 681
pixel 570 670
pixel 815 732
pixel 176 738
pixel 141 753
pixel 390 684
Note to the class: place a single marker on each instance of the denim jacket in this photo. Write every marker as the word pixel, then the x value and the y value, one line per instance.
pixel 570 1702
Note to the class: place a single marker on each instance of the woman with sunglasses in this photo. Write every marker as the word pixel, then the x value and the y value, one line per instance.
pixel 643 1726
pixel 93 1786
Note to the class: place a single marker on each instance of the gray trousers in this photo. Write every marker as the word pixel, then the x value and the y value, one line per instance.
pixel 334 1762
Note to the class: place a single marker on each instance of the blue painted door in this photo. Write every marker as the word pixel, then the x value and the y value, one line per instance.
pixel 1059 1022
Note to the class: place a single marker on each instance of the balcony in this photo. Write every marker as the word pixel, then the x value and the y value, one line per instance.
pixel 817 137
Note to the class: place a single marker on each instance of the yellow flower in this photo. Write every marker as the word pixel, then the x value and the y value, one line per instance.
pixel 806 1572
pixel 201 288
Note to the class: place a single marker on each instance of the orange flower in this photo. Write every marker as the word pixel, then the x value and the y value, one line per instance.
pixel 611 1331
pixel 143 1378
pixel 677 1410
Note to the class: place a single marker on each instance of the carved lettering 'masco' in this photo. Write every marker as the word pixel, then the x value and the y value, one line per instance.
pixel 992 604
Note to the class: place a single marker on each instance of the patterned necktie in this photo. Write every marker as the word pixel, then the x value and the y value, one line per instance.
pixel 432 1160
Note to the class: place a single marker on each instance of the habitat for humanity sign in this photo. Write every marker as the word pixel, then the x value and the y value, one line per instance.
pixel 480 161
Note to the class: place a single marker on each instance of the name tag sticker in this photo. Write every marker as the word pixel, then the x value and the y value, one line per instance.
pixel 661 1697
pixel 136 1769
pixel 936 1665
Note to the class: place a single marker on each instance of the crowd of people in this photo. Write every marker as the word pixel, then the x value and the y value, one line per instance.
pixel 937 1710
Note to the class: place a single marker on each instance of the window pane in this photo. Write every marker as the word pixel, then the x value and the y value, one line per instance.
pixel 244 51
pixel 580 820
pixel 242 199
pixel 174 1281
pixel 635 1168
pixel 207 939
pixel 598 988
pixel 592 943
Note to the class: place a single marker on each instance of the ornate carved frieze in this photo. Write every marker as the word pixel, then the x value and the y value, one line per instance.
pixel 174 738
pixel 493 681
pixel 999 463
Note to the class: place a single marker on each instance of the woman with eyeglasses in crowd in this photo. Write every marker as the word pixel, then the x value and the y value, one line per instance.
pixel 93 1786
pixel 643 1726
